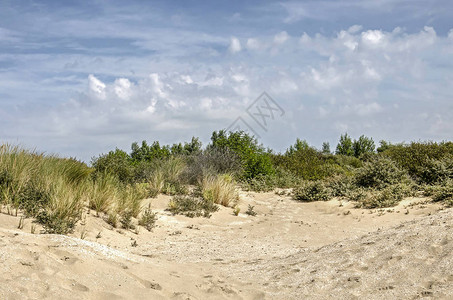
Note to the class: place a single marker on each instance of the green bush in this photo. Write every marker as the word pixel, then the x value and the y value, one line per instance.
pixel 117 163
pixel 416 156
pixel 387 197
pixel 379 173
pixel 437 170
pixel 191 206
pixel 148 219
pixel 312 191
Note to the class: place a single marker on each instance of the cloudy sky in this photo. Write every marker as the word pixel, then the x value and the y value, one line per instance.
pixel 82 77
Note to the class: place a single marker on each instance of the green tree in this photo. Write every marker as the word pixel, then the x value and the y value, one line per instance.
pixel 345 146
pixel 325 148
pixel 253 156
pixel 363 145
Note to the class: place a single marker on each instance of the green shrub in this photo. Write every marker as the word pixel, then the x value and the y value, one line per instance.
pixel 117 163
pixel 191 206
pixel 387 197
pixel 379 173
pixel 340 185
pixel 441 192
pixel 414 157
pixel 148 219
pixel 437 170
pixel 312 191
pixel 250 211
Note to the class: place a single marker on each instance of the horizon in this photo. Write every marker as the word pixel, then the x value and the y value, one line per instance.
pixel 83 79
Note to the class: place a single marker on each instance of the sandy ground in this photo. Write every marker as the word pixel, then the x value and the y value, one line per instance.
pixel 290 250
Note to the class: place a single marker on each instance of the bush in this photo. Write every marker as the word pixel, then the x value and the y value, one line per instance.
pixel 441 192
pixel 414 157
pixel 117 163
pixel 387 197
pixel 148 219
pixel 379 173
pixel 436 171
pixel 191 206
pixel 340 185
pixel 312 191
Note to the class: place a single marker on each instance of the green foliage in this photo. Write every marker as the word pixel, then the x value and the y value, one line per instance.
pixel 325 148
pixel 281 179
pixel 191 206
pixel 441 192
pixel 387 197
pixel 250 211
pixel 147 152
pixel 379 173
pixel 345 146
pixel 414 157
pixel 254 159
pixel 362 146
pixel 116 163
pixel 148 219
pixel 436 171
pixel 191 148
pixel 211 161
pixel 312 191
pixel 308 163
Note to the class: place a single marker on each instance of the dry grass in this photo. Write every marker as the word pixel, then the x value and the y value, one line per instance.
pixel 220 189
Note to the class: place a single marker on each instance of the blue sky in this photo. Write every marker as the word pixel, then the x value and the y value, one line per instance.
pixel 82 77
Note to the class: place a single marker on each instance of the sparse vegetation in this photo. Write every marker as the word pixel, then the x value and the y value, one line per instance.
pixel 192 206
pixel 54 191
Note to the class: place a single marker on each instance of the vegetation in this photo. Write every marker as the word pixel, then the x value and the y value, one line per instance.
pixel 54 191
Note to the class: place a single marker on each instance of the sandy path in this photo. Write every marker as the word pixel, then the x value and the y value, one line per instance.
pixel 289 249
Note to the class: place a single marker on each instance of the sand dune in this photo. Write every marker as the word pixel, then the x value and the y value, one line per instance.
pixel 290 250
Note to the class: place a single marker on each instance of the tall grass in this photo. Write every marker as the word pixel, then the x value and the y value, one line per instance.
pixel 54 190
pixel 166 176
pixel 219 189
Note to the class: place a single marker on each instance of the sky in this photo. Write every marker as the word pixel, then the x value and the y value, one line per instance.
pixel 81 78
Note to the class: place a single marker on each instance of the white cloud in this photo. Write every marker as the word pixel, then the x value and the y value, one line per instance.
pixel 253 44
pixel 122 88
pixel 281 37
pixel 96 87
pixel 450 34
pixel 235 45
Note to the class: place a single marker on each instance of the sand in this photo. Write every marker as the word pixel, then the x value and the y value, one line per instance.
pixel 290 250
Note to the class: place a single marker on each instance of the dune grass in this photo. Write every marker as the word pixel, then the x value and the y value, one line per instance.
pixel 55 190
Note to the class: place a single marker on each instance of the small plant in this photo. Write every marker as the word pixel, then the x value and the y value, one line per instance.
pixel 312 191
pixel 21 223
pixel 191 206
pixel 236 210
pixel 112 219
pixel 250 211
pixel 148 219
pixel 126 220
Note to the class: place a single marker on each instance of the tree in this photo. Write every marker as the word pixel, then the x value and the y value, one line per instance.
pixel 325 148
pixel 253 156
pixel 345 145
pixel 363 145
